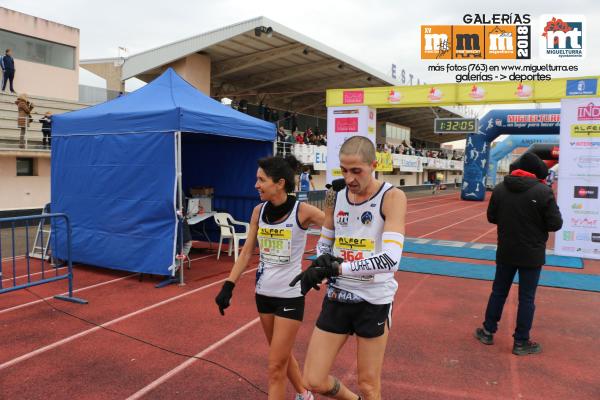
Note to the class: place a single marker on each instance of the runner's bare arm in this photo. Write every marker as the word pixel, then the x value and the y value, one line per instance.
pixel 329 207
pixel 394 211
pixel 325 242
pixel 248 249
pixel 310 215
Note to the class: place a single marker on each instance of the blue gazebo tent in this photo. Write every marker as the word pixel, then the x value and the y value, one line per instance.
pixel 115 169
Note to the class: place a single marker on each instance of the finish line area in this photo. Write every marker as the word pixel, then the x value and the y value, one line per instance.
pixel 146 337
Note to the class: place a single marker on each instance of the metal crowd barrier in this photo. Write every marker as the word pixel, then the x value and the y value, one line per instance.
pixel 313 197
pixel 16 230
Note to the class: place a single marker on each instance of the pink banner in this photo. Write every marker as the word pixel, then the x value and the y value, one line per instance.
pixel 346 124
pixel 354 97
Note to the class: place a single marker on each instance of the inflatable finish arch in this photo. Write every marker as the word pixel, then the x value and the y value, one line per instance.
pixel 503 148
pixel 496 123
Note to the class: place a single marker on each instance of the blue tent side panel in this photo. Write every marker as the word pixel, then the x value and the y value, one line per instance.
pixel 119 193
pixel 229 166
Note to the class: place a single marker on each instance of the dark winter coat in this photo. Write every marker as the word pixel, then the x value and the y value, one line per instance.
pixel 525 210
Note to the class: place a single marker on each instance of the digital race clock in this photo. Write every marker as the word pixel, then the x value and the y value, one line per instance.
pixel 455 125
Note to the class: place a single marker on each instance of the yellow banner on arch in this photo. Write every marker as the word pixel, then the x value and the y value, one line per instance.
pixel 466 93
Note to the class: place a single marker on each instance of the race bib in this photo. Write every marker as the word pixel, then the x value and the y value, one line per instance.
pixel 352 249
pixel 275 245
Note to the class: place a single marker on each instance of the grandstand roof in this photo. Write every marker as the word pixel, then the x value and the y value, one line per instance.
pixel 283 68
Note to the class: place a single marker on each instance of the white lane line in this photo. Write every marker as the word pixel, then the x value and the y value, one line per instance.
pixel 190 361
pixel 451 225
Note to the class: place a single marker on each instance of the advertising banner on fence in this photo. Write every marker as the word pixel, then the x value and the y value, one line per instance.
pixel 408 163
pixel 320 163
pixel 384 162
pixel 579 179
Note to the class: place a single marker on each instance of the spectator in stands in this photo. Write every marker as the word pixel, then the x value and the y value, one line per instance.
pixel 243 106
pixel 323 140
pixel 299 138
pixel 234 104
pixel 289 141
pixel 294 121
pixel 307 133
pixel 290 138
pixel 305 183
pixel 46 122
pixel 281 134
pixel 24 118
pixel 8 70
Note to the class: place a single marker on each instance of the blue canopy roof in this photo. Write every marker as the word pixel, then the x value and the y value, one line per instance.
pixel 166 104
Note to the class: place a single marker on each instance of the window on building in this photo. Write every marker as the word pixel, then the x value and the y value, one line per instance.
pixel 26 167
pixel 37 50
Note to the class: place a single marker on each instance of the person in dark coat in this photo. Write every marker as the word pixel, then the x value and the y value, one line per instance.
pixel 7 62
pixel 46 122
pixel 525 210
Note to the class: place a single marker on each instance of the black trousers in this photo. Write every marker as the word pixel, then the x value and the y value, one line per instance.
pixel 8 76
pixel 528 282
pixel 47 138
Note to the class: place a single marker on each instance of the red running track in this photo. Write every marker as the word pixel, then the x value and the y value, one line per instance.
pixel 431 353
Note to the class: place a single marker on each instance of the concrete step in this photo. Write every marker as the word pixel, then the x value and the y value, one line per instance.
pixel 33 127
pixel 16 132
pixel 11 147
pixel 39 109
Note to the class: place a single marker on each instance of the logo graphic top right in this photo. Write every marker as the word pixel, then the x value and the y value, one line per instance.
pixel 562 36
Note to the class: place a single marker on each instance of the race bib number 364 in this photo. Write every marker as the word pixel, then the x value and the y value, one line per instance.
pixel 351 249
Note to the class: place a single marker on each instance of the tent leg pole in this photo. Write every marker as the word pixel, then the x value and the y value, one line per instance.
pixel 179 193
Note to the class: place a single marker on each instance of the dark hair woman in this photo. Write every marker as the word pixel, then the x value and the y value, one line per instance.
pixel 279 226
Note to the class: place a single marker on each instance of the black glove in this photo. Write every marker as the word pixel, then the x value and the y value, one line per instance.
pixel 224 296
pixel 325 266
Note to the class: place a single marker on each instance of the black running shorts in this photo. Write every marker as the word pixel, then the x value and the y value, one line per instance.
pixel 365 319
pixel 292 308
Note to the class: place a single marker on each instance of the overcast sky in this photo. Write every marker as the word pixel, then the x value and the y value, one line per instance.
pixel 377 32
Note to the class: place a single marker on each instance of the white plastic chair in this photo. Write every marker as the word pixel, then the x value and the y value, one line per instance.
pixel 227 225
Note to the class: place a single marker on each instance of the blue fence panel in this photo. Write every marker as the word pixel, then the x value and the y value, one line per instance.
pixel 49 272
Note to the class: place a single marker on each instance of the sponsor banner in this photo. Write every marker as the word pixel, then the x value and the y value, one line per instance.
pixel 384 162
pixel 320 163
pixel 579 183
pixel 582 87
pixel 345 122
pixel 464 93
pixel 475 42
pixel 562 37
pixel 408 163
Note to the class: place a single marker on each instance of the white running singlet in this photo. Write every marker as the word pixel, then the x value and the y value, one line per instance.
pixel 281 250
pixel 358 229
